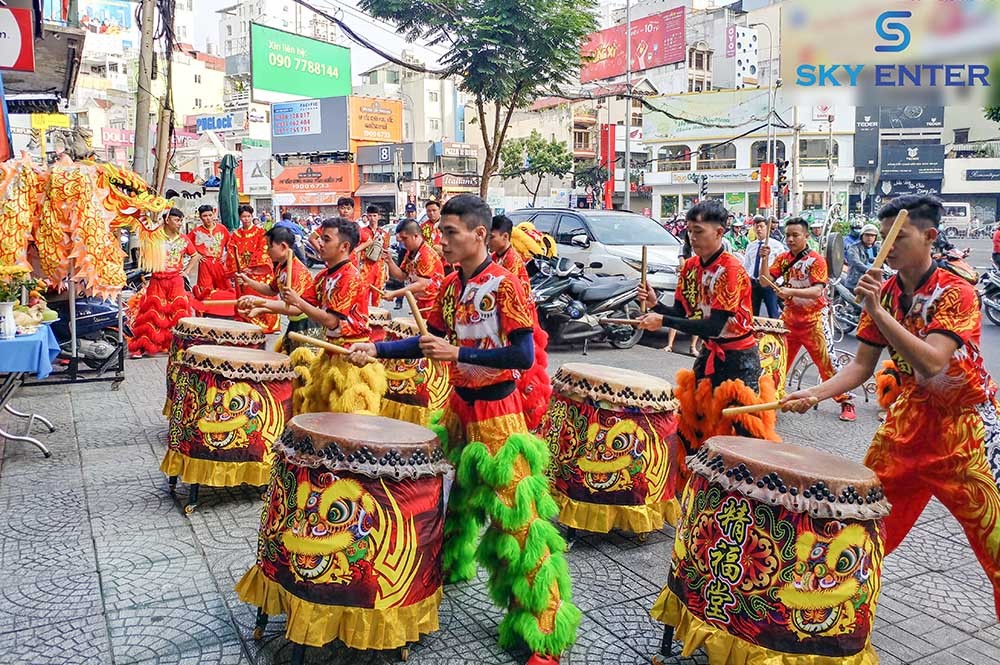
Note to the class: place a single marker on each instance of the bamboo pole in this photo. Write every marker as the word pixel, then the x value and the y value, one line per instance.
pixel 887 243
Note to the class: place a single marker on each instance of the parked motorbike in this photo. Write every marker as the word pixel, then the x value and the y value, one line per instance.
pixel 989 293
pixel 311 253
pixel 96 330
pixel 846 313
pixel 572 305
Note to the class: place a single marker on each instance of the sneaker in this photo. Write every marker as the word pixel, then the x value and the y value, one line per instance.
pixel 847 412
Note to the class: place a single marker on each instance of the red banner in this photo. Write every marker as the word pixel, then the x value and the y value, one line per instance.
pixel 766 183
pixel 609 156
pixel 656 40
pixel 17 41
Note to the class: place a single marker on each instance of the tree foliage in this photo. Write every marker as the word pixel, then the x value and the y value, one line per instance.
pixel 507 52
pixel 534 157
pixel 589 174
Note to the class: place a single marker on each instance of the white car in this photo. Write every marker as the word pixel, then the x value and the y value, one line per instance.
pixel 609 242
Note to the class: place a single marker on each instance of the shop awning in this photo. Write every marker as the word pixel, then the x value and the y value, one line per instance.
pixel 373 189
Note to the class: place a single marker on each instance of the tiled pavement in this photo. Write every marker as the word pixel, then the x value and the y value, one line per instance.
pixel 98 564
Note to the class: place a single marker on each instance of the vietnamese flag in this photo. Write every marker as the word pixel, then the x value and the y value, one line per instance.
pixel 766 182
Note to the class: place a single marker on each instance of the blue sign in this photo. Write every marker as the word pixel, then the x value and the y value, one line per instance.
pixel 214 122
pixel 982 174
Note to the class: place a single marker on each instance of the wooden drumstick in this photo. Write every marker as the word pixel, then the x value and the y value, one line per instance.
pixel 417 316
pixel 288 269
pixel 377 290
pixel 219 302
pixel 323 344
pixel 645 282
pixel 887 243
pixel 750 408
pixel 620 322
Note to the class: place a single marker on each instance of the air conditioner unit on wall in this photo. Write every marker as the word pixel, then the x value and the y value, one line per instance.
pixel 860 179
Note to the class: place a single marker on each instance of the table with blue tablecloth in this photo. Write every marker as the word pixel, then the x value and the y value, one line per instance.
pixel 26 354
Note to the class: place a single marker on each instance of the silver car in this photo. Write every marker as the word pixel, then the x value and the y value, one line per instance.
pixel 609 242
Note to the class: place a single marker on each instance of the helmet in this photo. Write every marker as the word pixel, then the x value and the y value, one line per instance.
pixel 869 228
pixel 816 225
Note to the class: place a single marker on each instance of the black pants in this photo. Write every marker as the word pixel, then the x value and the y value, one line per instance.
pixel 760 293
pixel 743 365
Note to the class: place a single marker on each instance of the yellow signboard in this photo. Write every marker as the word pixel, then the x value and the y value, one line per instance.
pixel 375 119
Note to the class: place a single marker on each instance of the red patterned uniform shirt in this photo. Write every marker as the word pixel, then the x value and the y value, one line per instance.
pixel 210 244
pixel 364 235
pixel 514 264
pixel 341 291
pixel 724 285
pixel 248 249
pixel 800 272
pixel 943 303
pixel 481 314
pixel 302 279
pixel 177 249
pixel 424 264
pixel 431 233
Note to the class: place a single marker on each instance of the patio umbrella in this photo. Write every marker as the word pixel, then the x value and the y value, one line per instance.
pixel 228 198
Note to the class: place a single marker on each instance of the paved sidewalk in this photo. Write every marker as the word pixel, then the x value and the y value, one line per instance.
pixel 100 565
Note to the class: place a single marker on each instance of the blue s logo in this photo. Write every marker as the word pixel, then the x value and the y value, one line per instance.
pixel 894 32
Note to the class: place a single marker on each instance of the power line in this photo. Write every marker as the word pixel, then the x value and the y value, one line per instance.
pixel 382 25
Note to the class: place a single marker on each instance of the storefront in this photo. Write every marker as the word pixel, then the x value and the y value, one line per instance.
pixel 313 189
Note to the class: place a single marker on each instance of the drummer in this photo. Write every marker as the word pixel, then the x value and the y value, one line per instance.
pixel 487 430
pixel 939 435
pixel 421 268
pixel 803 275
pixel 280 243
pixel 713 301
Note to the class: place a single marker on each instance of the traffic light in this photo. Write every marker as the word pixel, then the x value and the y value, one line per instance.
pixel 781 184
pixel 703 191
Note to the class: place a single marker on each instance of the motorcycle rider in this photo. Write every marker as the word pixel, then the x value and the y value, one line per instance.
pixel 861 256
pixel 854 237
pixel 815 235
pixel 996 247
pixel 736 238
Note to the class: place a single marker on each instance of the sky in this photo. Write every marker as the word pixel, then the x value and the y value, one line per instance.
pixel 381 34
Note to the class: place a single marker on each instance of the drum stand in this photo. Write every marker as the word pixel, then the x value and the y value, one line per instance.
pixel 299 650
pixel 666 646
pixel 192 503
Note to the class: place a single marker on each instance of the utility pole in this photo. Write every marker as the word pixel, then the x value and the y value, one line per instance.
pixel 795 200
pixel 829 166
pixel 144 96
pixel 627 204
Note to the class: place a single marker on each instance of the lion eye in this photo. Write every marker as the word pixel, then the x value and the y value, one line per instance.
pixel 340 511
pixel 817 552
pixel 238 403
pixel 848 560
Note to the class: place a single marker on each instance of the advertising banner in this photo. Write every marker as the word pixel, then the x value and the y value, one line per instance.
pixel 296 118
pixel 221 122
pixel 656 40
pixel 919 162
pixel 687 116
pixel 285 66
pixel 866 122
pixel 374 119
pixel 314 125
pixel 317 178
pixel 912 116
pixel 17 44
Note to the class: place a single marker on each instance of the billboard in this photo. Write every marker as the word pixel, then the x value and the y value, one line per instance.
pixel 285 66
pixel 656 40
pixel 235 121
pixel 110 25
pixel 17 41
pixel 687 116
pixel 866 119
pixel 918 162
pixel 911 117
pixel 312 125
pixel 321 178
pixel 374 119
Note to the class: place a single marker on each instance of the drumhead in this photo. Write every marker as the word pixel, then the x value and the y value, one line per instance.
pixel 802 479
pixel 370 445
pixel 764 324
pixel 614 385
pixel 237 362
pixel 403 327
pixel 224 331
pixel 378 316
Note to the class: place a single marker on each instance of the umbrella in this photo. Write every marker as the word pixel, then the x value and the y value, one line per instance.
pixel 228 198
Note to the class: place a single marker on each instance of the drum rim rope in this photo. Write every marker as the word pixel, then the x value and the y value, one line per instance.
pixel 571 381
pixel 222 331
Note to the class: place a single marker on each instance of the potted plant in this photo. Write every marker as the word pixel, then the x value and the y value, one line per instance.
pixel 13 280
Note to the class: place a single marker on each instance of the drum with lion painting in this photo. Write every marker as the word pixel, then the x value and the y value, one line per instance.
pixel 416 387
pixel 350 540
pixel 192 330
pixel 378 319
pixel 772 346
pixel 231 404
pixel 778 554
pixel 612 435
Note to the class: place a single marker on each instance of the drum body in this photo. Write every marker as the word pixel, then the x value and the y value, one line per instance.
pixel 378 319
pixel 772 346
pixel 350 539
pixel 614 452
pixel 231 405
pixel 192 330
pixel 780 548
pixel 416 387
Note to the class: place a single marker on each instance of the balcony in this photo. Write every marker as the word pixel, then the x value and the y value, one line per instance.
pixel 584 150
pixel 583 117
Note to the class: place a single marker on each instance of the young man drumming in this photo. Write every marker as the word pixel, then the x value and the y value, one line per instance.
pixel 481 324
pixel 421 269
pixel 280 243
pixel 941 436
pixel 338 301
pixel 803 275
pixel 713 302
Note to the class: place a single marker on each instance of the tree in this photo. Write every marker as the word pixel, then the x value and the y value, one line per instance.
pixel 507 52
pixel 534 157
pixel 589 174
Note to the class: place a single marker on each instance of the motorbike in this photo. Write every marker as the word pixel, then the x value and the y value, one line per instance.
pixel 311 253
pixel 97 342
pixel 989 293
pixel 572 307
pixel 846 313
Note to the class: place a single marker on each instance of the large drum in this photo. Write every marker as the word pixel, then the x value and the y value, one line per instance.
pixel 773 349
pixel 416 387
pixel 192 330
pixel 778 554
pixel 612 435
pixel 378 319
pixel 231 406
pixel 350 539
